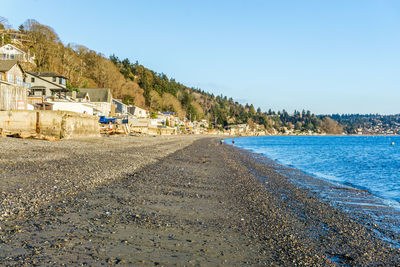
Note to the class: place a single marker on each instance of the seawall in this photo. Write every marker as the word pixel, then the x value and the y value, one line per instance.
pixel 48 124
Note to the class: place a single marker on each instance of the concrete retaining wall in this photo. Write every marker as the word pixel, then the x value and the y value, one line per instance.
pixel 79 126
pixel 161 131
pixel 58 124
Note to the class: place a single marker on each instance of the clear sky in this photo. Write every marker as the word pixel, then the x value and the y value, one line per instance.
pixel 325 56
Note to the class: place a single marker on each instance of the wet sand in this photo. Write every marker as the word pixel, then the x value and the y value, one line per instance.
pixel 166 201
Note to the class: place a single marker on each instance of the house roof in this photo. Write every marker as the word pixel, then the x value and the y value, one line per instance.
pixel 16 48
pixel 98 94
pixel 48 74
pixel 6 65
pixel 81 94
pixel 119 101
pixel 78 94
pixel 136 107
pixel 54 84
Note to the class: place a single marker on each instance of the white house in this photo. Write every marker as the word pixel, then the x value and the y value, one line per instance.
pixel 10 52
pixel 120 107
pixel 138 112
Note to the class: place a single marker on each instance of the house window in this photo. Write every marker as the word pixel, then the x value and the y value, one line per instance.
pixel 54 79
pixel 12 56
pixel 32 80
pixel 62 81
pixel 10 78
pixel 19 81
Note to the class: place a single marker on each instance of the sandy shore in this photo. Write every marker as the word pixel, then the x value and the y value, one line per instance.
pixel 166 201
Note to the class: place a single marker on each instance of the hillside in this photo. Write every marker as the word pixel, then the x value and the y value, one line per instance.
pixel 138 85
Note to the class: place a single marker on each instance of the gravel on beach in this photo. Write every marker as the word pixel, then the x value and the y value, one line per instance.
pixel 179 200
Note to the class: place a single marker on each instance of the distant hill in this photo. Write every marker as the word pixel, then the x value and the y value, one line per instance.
pixel 369 123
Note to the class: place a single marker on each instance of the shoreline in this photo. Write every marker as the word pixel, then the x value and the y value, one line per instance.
pixel 201 203
pixel 373 211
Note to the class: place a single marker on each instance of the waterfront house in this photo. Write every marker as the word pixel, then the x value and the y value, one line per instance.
pixel 138 112
pixel 12 72
pixel 120 107
pixel 101 98
pixel 47 84
pixel 13 90
pixel 79 96
pixel 168 118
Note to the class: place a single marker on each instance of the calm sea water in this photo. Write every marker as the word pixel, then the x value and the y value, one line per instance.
pixel 364 162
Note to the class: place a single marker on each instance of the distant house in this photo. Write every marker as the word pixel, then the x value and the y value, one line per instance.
pixel 102 99
pixel 47 84
pixel 138 112
pixel 170 117
pixel 11 52
pixel 13 90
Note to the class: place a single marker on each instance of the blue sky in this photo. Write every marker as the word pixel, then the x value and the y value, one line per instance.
pixel 325 56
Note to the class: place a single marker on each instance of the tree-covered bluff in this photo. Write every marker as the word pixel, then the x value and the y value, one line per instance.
pixel 137 85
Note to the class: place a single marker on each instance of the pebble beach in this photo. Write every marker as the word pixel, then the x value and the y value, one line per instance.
pixel 167 201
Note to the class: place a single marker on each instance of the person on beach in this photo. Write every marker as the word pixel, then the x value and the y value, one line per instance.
pixel 233 141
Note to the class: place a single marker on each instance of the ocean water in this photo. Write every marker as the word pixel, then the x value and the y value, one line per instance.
pixel 365 162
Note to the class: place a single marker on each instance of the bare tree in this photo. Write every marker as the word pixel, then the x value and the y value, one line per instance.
pixel 4 24
pixel 330 126
pixel 45 42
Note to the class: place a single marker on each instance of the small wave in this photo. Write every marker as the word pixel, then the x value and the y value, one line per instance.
pixel 361 162
pixel 327 177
